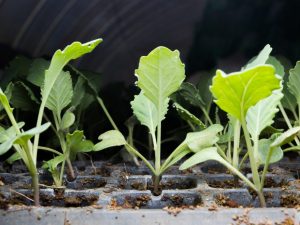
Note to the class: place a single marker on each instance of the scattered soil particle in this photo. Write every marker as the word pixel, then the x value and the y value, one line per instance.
pixel 213 207
pixel 113 205
pixel 175 210
pixel 290 201
pixel 225 184
pixel 223 200
pixel 139 186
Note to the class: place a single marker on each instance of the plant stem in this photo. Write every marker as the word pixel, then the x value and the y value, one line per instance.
pixel 206 115
pixel 49 150
pixel 70 168
pixel 236 144
pixel 156 184
pixel 253 164
pixel 35 186
pixel 100 101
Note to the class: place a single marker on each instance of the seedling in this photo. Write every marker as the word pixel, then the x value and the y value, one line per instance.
pixel 53 77
pixel 159 75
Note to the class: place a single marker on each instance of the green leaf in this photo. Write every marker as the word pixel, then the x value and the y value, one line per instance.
pixel 191 94
pixel 5 103
pixel 59 60
pixel 10 132
pixel 277 65
pixel 68 120
pixel 23 97
pixel 76 143
pixel 37 71
pixel 160 74
pixel 202 156
pixel 262 114
pixel 146 112
pixel 261 58
pixel 52 164
pixel 14 157
pixel 294 82
pixel 79 92
pixel 286 137
pixel 264 148
pixel 197 141
pixel 188 117
pixel 288 101
pixel 61 93
pixel 109 139
pixel 235 93
pixel 22 138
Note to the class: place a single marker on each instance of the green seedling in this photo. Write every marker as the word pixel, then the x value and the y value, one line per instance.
pixel 159 75
pixel 52 79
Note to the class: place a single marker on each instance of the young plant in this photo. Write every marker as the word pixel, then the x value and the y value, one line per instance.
pixel 20 140
pixel 160 74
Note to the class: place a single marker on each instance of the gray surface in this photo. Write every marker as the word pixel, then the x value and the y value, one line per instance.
pixel 130 28
pixel 95 216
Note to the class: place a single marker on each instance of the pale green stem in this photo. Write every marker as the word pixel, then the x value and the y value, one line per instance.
pixel 49 150
pixel 206 115
pixel 263 176
pixel 100 101
pixel 286 118
pixel 243 160
pixel 236 144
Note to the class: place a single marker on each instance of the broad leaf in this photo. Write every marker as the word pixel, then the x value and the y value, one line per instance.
pixel 188 117
pixel 261 115
pixel 160 74
pixel 10 132
pixel 76 143
pixel 294 82
pixel 288 101
pixel 146 112
pixel 202 156
pixel 235 93
pixel 197 141
pixel 276 64
pixel 261 58
pixel 79 91
pixel 264 148
pixel 37 71
pixel 67 120
pixel 286 137
pixel 52 164
pixel 14 157
pixel 61 94
pixel 109 139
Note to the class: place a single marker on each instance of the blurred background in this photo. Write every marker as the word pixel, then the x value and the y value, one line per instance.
pixel 209 34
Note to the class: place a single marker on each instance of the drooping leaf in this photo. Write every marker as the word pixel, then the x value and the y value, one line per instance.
pixel 235 93
pixel 294 82
pixel 53 163
pixel 76 143
pixel 61 93
pixel 9 132
pixel 264 148
pixel 67 120
pixel 22 138
pixel 286 137
pixel 188 116
pixel 109 139
pixel 146 112
pixel 160 74
pixel 37 71
pixel 261 58
pixel 60 59
pixel 261 115
pixel 202 156
pixel 197 141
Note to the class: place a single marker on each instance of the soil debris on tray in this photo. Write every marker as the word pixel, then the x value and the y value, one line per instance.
pixel 223 200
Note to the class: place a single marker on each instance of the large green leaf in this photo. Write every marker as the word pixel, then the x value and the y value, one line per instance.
pixel 9 132
pixel 37 71
pixel 160 74
pixel 261 115
pixel 235 93
pixel 59 60
pixel 109 139
pixel 191 94
pixel 288 101
pixel 76 143
pixel 197 141
pixel 276 64
pixel 188 116
pixel 264 149
pixel 146 112
pixel 61 93
pixel 79 91
pixel 261 58
pixel 294 82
